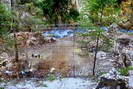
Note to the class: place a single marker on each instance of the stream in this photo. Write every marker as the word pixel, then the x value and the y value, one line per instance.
pixel 61 33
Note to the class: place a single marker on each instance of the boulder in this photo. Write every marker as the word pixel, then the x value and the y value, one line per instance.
pixel 101 54
pixel 4 56
pixel 121 60
pixel 126 59
pixel 124 39
pixel 112 80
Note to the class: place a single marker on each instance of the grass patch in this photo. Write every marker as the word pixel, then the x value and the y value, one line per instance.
pixel 125 71
pixel 2 88
pixel 51 77
pixel 2 80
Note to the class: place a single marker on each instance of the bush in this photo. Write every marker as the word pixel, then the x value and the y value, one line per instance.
pixel 101 12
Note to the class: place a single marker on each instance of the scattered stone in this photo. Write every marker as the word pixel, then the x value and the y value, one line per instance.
pixel 32 39
pixel 4 56
pixel 36 55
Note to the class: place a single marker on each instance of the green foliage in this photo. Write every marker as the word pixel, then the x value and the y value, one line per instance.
pixel 32 21
pixel 2 88
pixel 107 43
pixel 5 20
pixel 51 77
pixel 99 74
pixel 25 1
pixel 73 14
pixel 90 37
pixel 125 71
pixel 101 12
pixel 1 80
pixel 32 9
pixel 57 10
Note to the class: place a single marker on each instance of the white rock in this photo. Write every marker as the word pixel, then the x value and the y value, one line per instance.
pixel 52 70
pixel 8 72
pixel 101 54
pixel 4 56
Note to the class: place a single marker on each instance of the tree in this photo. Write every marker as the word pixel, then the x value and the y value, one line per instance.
pixel 14 33
pixel 5 20
pixel 97 13
pixel 57 11
pixel 97 9
pixel 95 40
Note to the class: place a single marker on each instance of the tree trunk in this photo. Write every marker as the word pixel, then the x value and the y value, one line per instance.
pixel 95 57
pixel 97 43
pixel 14 31
pixel 16 48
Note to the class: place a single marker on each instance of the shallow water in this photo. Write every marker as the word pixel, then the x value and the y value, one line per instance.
pixel 59 33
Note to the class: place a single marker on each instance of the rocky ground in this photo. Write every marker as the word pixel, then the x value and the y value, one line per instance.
pixel 63 57
pixel 65 83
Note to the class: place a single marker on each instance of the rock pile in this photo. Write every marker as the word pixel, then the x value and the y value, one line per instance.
pixel 31 39
pixel 10 69
pixel 122 55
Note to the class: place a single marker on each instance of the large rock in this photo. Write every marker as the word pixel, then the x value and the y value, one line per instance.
pixel 124 39
pixel 112 80
pixel 4 56
pixel 123 51
pixel 121 60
